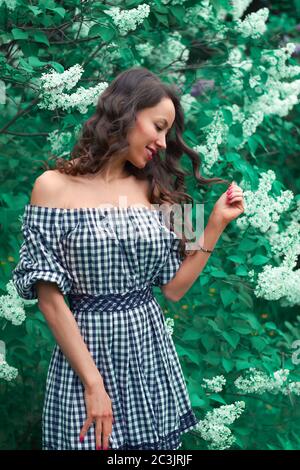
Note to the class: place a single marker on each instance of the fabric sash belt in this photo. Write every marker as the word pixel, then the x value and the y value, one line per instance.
pixel 108 302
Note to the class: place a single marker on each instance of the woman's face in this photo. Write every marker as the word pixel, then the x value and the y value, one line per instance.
pixel 151 127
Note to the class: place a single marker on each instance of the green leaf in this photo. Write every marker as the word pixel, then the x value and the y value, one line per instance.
pixel 105 32
pixel 35 62
pixel 228 364
pixel 243 431
pixel 178 11
pixel 58 67
pixel 203 120
pixel 242 271
pixel 161 18
pixel 270 325
pixel 242 329
pixel 227 296
pixel 252 320
pixel 240 365
pixel 214 326
pixel 219 274
pixel 19 33
pixel 25 65
pixel 197 401
pixel 253 144
pixel 227 116
pixel 60 11
pixel 212 358
pixel 259 139
pixel 217 397
pixel 236 258
pixel 232 337
pixel 259 259
pixel 208 341
pixel 258 343
pixel 246 299
pixel 40 36
pixel 232 157
pixel 247 245
pixel 191 334
pixel 35 10
pixel 190 353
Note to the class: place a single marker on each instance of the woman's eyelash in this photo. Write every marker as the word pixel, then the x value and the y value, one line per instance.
pixel 157 127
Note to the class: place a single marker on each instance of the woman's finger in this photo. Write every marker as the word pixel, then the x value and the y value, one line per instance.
pixel 99 429
pixel 235 199
pixel 106 431
pixel 85 429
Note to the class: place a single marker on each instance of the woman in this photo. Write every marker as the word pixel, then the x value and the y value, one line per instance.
pixel 114 377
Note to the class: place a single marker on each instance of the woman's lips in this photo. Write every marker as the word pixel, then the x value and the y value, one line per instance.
pixel 149 154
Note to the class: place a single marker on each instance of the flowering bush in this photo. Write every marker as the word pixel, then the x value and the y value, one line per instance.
pixel 237 68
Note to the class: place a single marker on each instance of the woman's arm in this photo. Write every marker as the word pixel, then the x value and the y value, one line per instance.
pixel 66 332
pixel 228 207
pixel 46 191
pixel 192 266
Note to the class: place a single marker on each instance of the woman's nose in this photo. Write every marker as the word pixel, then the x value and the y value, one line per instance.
pixel 162 142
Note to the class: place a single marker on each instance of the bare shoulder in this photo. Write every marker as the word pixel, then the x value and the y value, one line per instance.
pixel 46 188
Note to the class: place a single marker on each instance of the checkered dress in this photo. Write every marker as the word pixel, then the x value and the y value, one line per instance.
pixel 106 261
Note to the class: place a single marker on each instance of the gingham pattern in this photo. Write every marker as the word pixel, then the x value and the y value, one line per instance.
pixel 107 261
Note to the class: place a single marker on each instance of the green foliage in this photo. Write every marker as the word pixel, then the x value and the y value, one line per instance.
pixel 221 326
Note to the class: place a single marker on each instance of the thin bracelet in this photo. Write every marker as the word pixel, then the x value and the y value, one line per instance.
pixel 205 250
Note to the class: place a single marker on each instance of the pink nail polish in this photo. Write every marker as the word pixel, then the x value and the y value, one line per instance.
pixel 81 438
pixel 98 447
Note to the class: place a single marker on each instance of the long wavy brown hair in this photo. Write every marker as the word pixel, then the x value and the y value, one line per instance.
pixel 104 134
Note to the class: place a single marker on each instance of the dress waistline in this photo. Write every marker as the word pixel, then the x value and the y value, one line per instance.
pixel 108 302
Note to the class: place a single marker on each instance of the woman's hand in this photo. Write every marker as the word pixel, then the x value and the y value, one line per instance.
pixel 99 409
pixel 229 206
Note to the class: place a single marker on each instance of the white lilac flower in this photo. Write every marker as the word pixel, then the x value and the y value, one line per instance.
pixel 173 2
pixel 215 133
pixel 55 81
pixel 250 125
pixel 53 96
pixel 170 325
pixel 7 372
pixel 12 305
pixel 11 4
pixel 201 12
pixel 255 80
pixel 59 142
pixel 239 7
pixel 256 381
pixel 204 15
pixel 127 20
pixel 254 25
pixel 188 103
pixel 275 283
pixel 144 49
pixel 213 428
pixel 276 59
pixel 215 384
pixel 288 238
pixel 170 51
pixel 260 208
pixel 279 99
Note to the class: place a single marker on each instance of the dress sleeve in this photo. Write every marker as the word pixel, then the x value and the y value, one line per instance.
pixel 40 254
pixel 171 266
